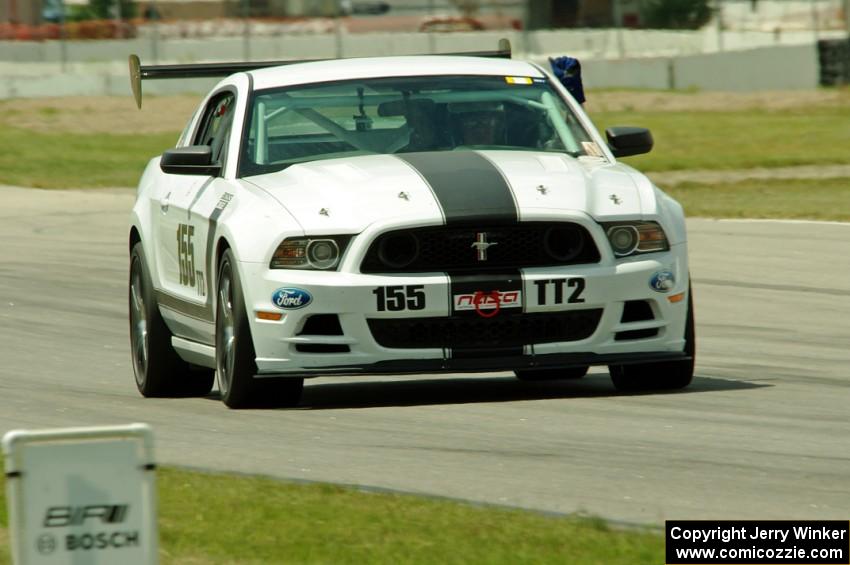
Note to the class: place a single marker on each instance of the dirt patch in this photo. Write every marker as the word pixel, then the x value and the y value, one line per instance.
pixel 169 114
pixel 99 114
pixel 666 179
pixel 639 101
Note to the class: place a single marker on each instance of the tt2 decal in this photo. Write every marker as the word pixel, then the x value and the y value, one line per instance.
pixel 574 286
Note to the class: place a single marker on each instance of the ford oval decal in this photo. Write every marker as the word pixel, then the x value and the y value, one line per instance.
pixel 291 298
pixel 662 281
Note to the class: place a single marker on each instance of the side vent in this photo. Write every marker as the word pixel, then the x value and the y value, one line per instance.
pixel 636 311
pixel 322 325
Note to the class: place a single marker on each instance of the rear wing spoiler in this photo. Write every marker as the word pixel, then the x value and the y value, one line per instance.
pixel 138 72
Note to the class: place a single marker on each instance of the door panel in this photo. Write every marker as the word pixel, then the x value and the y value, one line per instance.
pixel 184 231
pixel 182 239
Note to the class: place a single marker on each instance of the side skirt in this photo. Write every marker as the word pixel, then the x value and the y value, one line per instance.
pixel 195 353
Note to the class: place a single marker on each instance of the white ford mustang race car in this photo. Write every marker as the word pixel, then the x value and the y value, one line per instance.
pixel 410 214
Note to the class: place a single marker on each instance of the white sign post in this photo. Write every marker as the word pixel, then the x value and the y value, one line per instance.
pixel 82 496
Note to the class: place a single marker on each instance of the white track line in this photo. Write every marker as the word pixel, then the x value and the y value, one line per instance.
pixel 780 221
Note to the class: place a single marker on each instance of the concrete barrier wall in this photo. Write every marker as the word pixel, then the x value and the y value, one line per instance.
pixel 793 67
pixel 650 73
pixel 584 43
pixel 86 82
pixel 36 70
pixel 765 68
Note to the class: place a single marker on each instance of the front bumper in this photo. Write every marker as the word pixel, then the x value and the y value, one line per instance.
pixel 283 348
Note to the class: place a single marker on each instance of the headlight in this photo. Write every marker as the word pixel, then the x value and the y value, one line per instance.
pixel 629 238
pixel 320 253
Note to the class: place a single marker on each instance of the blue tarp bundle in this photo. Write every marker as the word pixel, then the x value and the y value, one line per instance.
pixel 568 71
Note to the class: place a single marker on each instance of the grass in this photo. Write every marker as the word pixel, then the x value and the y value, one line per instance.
pixel 738 140
pixel 66 160
pixel 218 518
pixel 683 140
pixel 822 199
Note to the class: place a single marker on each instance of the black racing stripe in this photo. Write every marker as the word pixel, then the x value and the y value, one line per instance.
pixel 468 187
pixel 471 191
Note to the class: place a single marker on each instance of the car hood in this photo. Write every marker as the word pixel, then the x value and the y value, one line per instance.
pixel 348 194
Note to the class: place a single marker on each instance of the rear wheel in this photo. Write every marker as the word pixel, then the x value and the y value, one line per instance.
pixel 667 375
pixel 234 351
pixel 551 374
pixel 159 371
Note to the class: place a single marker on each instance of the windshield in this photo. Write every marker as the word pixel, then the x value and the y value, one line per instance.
pixel 400 115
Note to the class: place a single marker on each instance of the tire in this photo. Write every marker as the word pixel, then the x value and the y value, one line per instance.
pixel 158 370
pixel 235 358
pixel 666 375
pixel 568 373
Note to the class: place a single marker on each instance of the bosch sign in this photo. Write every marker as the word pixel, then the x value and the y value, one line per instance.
pixel 88 494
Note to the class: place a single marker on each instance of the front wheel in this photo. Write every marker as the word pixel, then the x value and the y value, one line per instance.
pixel 235 358
pixel 666 375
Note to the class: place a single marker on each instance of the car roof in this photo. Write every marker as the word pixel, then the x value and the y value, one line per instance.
pixel 380 67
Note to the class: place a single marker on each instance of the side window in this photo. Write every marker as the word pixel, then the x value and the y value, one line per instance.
pixel 185 135
pixel 214 128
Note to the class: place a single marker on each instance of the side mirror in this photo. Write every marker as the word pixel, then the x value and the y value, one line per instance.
pixel 192 160
pixel 625 141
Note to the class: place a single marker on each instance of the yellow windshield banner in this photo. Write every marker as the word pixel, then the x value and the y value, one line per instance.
pixel 518 80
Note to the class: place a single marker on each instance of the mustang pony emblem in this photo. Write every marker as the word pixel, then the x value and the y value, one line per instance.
pixel 481 245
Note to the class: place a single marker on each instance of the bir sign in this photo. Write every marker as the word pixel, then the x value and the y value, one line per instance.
pixel 82 496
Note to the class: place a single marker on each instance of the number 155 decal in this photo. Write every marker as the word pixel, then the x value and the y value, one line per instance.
pixel 189 276
pixel 400 297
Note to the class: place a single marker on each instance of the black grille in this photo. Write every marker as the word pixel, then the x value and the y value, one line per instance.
pixel 477 332
pixel 527 244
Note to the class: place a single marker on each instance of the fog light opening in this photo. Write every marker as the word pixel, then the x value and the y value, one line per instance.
pixel 399 250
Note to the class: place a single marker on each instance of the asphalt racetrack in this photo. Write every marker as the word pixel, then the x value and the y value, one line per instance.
pixel 764 431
